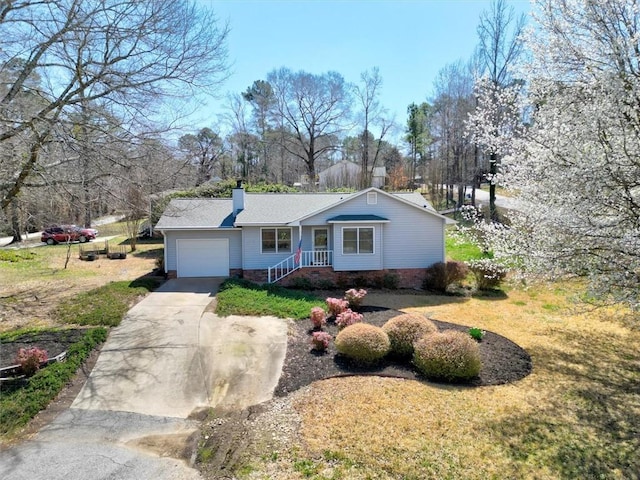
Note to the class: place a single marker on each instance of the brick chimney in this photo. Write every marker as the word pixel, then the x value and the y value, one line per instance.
pixel 237 195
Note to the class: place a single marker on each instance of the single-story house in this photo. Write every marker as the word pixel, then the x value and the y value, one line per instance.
pixel 333 237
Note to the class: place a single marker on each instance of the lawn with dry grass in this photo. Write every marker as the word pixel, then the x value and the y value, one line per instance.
pixel 33 281
pixel 576 416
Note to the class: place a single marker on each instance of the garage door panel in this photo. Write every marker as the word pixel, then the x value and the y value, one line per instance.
pixel 203 257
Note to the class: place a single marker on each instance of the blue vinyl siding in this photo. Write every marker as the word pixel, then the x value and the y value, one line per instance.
pixel 362 261
pixel 412 239
pixel 252 254
pixel 234 236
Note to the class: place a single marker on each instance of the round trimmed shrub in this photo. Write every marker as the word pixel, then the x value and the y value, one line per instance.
pixel 406 329
pixel 363 342
pixel 440 276
pixel 449 355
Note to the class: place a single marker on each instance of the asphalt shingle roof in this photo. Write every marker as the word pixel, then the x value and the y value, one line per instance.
pixel 281 209
pixel 260 209
pixel 415 197
pixel 197 213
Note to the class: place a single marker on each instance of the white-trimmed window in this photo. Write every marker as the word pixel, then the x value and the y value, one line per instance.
pixel 276 240
pixel 357 240
pixel 372 198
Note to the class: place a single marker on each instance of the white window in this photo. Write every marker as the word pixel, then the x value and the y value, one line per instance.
pixel 276 240
pixel 372 198
pixel 357 240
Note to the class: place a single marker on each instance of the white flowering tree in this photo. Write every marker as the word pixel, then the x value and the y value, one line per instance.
pixel 496 90
pixel 576 170
pixel 495 124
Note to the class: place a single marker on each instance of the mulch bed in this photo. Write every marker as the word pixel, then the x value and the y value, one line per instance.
pixel 54 342
pixel 502 360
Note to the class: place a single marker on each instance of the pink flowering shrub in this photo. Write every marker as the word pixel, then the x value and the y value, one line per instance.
pixel 320 341
pixel 336 306
pixel 348 317
pixel 318 317
pixel 30 359
pixel 355 297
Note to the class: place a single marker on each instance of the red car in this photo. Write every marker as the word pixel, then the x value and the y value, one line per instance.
pixel 67 233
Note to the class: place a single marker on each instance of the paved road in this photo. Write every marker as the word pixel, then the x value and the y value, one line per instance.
pixel 31 237
pixel 169 360
pixel 508 203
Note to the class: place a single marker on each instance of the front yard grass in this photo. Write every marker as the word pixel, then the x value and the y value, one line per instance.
pixel 576 416
pixel 239 297
pixel 33 281
pixel 104 305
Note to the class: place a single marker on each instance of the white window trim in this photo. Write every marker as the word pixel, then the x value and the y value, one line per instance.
pixel 277 252
pixel 358 227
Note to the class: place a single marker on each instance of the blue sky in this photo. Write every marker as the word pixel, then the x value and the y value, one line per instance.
pixel 409 41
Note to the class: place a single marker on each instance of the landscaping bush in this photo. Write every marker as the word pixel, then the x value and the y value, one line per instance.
pixel 30 359
pixel 488 274
pixel 404 330
pixel 301 283
pixel 336 306
pixel 390 281
pixel 325 284
pixel 320 341
pixel 363 342
pixel 477 333
pixel 440 276
pixel 318 317
pixel 348 317
pixel 355 297
pixel 450 355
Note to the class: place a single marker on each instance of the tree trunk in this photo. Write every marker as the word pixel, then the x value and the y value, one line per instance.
pixel 493 170
pixel 15 223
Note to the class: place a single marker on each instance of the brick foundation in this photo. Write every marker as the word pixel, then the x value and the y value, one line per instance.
pixel 258 276
pixel 236 272
pixel 323 277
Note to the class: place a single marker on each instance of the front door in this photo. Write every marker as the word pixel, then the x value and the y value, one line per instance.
pixel 320 246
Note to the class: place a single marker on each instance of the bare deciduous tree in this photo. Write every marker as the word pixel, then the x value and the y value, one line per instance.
pixel 373 116
pixel 315 109
pixel 203 149
pixel 123 56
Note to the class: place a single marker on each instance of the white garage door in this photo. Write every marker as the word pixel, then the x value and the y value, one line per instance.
pixel 203 257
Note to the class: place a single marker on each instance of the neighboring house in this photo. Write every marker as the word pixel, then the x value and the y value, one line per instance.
pixel 334 237
pixel 348 174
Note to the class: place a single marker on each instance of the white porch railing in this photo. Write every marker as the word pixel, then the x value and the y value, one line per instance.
pixel 308 258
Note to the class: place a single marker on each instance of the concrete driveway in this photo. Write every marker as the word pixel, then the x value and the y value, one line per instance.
pixel 170 360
